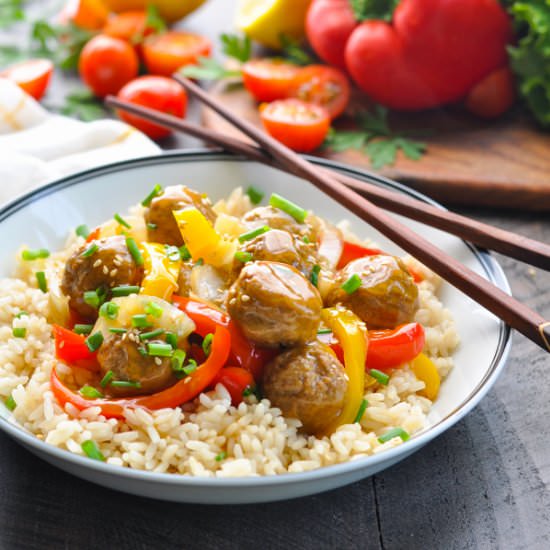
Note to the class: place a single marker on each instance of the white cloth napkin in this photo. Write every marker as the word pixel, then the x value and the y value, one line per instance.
pixel 37 147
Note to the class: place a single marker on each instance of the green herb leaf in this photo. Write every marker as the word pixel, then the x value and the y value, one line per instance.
pixel 373 9
pixel 11 11
pixel 293 51
pixel 382 153
pixel 343 141
pixel 84 105
pixel 237 47
pixel 42 32
pixel 154 19
pixel 208 69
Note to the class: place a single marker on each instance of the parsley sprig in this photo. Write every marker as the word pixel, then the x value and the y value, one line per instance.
pixel 153 21
pixel 84 105
pixel 11 12
pixel 293 51
pixel 373 9
pixel 376 139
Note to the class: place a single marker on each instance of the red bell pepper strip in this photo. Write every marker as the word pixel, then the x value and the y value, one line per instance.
pixel 236 380
pixel 94 235
pixel 71 348
pixel 181 392
pixel 352 251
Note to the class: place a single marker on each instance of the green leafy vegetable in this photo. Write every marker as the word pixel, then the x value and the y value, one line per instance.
pixel 373 9
pixel 84 105
pixel 209 69
pixel 239 48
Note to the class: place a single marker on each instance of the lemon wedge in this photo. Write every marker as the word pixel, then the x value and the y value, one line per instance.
pixel 266 20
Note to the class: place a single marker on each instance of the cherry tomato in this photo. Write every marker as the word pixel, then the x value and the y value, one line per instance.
pixel 269 79
pixel 86 14
pixel 492 96
pixel 107 63
pixel 236 380
pixel 129 25
pixel 32 76
pixel 324 86
pixel 165 53
pixel 296 124
pixel 156 92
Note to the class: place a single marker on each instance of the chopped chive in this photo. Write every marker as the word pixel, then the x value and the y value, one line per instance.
pixel 177 360
pixel 221 456
pixel 394 432
pixel 324 331
pixel 91 450
pixel 142 351
pixel 125 384
pixel 90 251
pixel 29 255
pixel 22 313
pixel 243 257
pixel 107 378
pixel 184 253
pixel 83 231
pixel 94 341
pixel 122 221
pixel 117 330
pixel 173 253
pixel 172 339
pixel 292 209
pixel 314 277
pixel 134 251
pixel 109 310
pixel 10 403
pixel 379 376
pixel 249 235
pixel 249 390
pixel 361 411
pixel 19 332
pixel 152 334
pixel 91 297
pixel 153 309
pixel 352 284
pixel 190 367
pixel 124 290
pixel 157 190
pixel 140 321
pixel 83 329
pixel 306 239
pixel 42 281
pixel 200 261
pixel 152 226
pixel 255 195
pixel 207 344
pixel 90 392
pixel 158 349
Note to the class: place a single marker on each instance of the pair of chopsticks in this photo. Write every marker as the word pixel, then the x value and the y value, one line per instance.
pixel 345 189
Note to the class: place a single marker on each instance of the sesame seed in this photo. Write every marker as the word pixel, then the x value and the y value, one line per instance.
pixel 97 263
pixel 105 270
pixel 158 361
pixel 113 272
pixel 232 302
pixel 245 298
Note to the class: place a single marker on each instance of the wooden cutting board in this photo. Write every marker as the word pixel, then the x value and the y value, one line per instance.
pixel 503 163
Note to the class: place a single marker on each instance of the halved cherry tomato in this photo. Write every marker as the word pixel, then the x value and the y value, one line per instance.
pixel 156 92
pixel 130 26
pixel 236 380
pixel 107 63
pixel 165 53
pixel 269 79
pixel 325 86
pixel 86 14
pixel 296 124
pixel 32 76
pixel 71 348
pixel 353 251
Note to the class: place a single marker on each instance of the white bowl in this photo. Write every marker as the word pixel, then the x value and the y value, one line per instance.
pixel 45 216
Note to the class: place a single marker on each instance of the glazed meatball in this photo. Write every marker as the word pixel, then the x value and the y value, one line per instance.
pixel 162 226
pixel 109 266
pixel 307 383
pixel 387 296
pixel 274 304
pixel 120 354
pixel 277 219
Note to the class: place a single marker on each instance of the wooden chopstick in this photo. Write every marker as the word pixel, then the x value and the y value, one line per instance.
pixel 510 244
pixel 507 308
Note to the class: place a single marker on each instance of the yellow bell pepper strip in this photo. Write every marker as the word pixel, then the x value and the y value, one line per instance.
pixel 352 335
pixel 425 370
pixel 161 272
pixel 202 240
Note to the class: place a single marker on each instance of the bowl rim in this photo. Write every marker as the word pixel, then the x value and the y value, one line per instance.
pixel 492 269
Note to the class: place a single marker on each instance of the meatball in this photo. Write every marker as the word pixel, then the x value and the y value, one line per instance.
pixel 307 383
pixel 387 296
pixel 110 265
pixel 277 219
pixel 274 304
pixel 162 226
pixel 121 355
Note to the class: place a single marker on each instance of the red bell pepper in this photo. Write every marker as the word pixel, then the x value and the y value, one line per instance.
pixel 352 251
pixel 236 380
pixel 181 392
pixel 71 348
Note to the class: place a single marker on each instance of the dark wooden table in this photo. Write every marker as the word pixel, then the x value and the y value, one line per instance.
pixel 483 484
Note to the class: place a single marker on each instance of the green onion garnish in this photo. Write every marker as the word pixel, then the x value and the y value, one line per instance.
pixel 134 251
pixel 255 195
pixel 125 384
pixel 184 253
pixel 172 339
pixel 177 360
pixel 191 367
pixel 140 321
pixel 306 239
pixel 107 378
pixel 94 341
pixel 124 290
pixel 91 450
pixel 153 309
pixel 220 457
pixel 292 209
pixel 22 313
pixel 394 432
pixel 361 411
pixel 10 403
pixel 152 226
pixel 243 257
pixel 200 261
pixel 142 351
pixel 91 250
pixel 324 331
pixel 158 349
pixel 207 344
pixel 249 235
pixel 249 390
pixel 42 282
pixel 83 329
pixel 117 330
pixel 122 221
pixel 173 253
pixel 379 376
pixel 152 334
pixel 19 332
pixel 82 231
pixel 90 392
pixel 109 310
pixel 314 277
pixel 157 190
pixel 352 284
pixel 29 255
pixel 91 297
